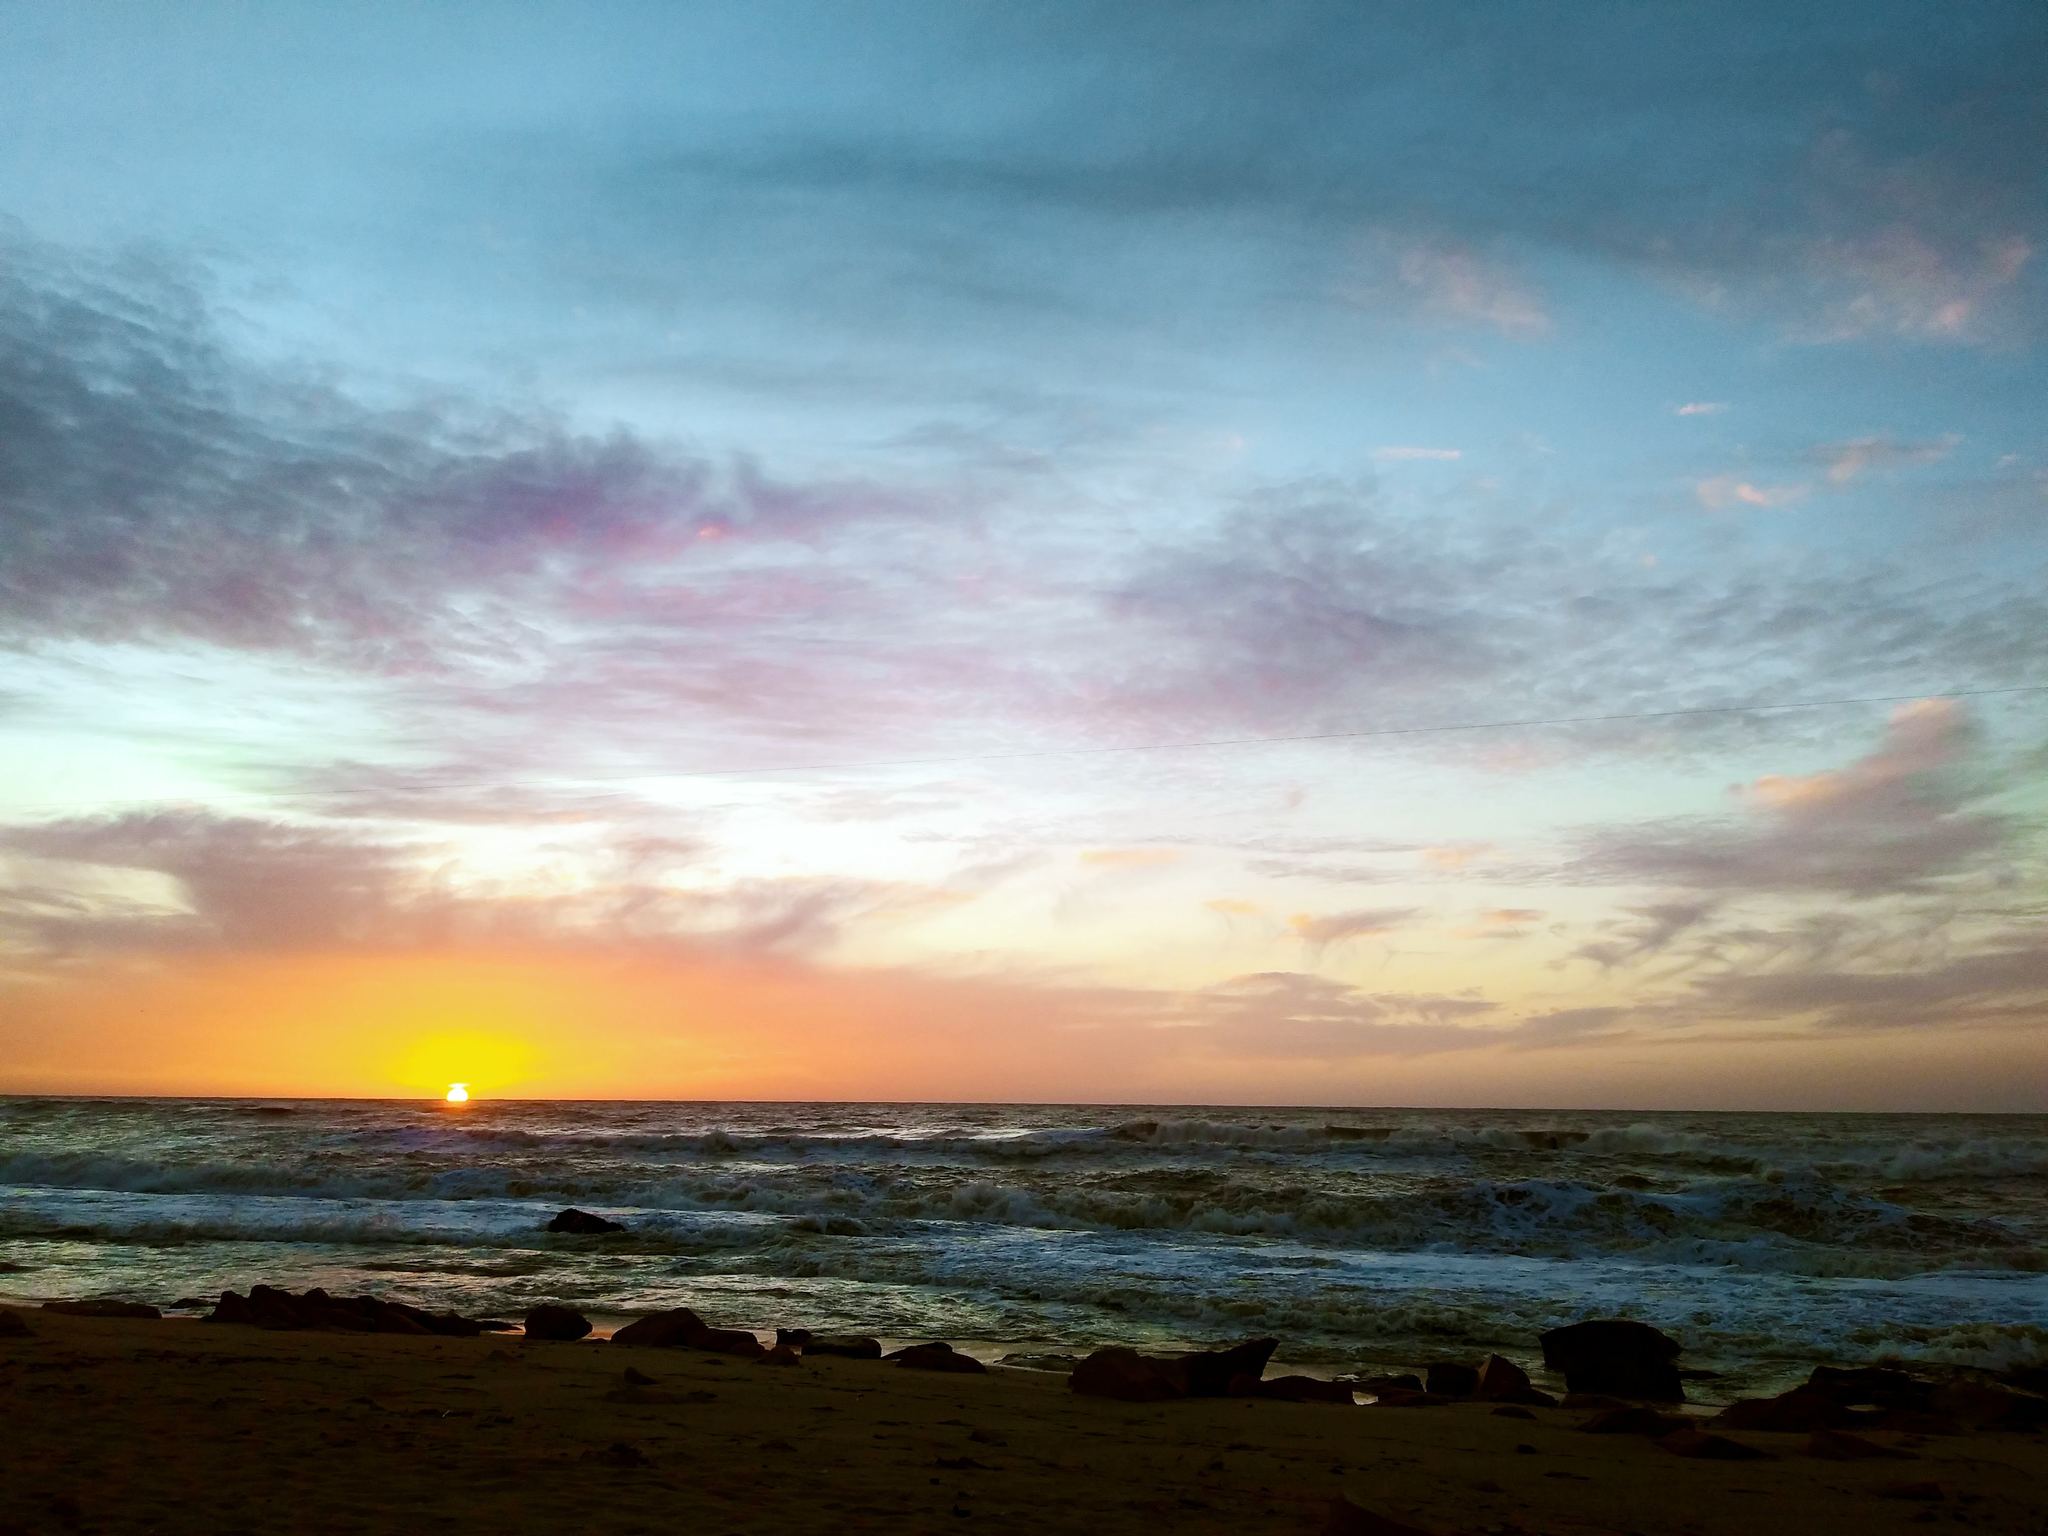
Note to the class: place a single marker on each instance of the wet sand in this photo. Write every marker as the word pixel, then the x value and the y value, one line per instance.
pixel 180 1426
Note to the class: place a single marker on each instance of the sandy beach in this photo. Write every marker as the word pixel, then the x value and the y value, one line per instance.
pixel 177 1425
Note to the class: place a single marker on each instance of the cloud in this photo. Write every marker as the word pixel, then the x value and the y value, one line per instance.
pixel 2006 982
pixel 247 885
pixel 1719 491
pixel 1320 932
pixel 1643 932
pixel 1847 461
pixel 1130 858
pixel 1904 818
pixel 1455 856
pixel 1911 282
pixel 1289 1015
pixel 1456 283
pixel 1700 408
pixel 1408 455
pixel 1233 907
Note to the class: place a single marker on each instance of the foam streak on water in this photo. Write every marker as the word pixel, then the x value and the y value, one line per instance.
pixel 1361 1238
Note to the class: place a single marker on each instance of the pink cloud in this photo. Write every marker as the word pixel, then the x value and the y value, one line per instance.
pixel 1721 491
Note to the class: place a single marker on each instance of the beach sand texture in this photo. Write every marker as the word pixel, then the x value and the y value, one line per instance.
pixel 178 1426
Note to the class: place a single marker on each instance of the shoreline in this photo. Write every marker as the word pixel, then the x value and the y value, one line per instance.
pixel 170 1426
pixel 1707 1390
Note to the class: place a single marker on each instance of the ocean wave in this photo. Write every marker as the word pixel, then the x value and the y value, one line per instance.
pixel 1788 1226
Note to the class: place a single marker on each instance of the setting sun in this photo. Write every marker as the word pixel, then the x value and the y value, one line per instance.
pixel 458 1093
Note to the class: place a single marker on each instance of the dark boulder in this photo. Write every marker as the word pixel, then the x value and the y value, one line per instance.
pixel 1124 1373
pixel 1616 1355
pixel 937 1356
pixel 583 1224
pixel 268 1307
pixel 549 1321
pixel 1500 1380
pixel 854 1346
pixel 1698 1445
pixel 682 1328
pixel 664 1330
pixel 795 1338
pixel 1795 1412
pixel 1977 1405
pixel 781 1354
pixel 1128 1376
pixel 1211 1371
pixel 1448 1378
pixel 742 1342
pixel 102 1308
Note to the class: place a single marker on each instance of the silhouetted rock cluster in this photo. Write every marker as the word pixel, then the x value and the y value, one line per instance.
pixel 1134 1378
pixel 1615 1355
pixel 583 1224
pixel 267 1307
pixel 681 1328
pixel 549 1321
pixel 936 1357
pixel 1884 1397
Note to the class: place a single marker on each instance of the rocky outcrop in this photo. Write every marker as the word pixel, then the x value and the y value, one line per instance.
pixel 1616 1355
pixel 937 1356
pixel 1448 1378
pixel 1124 1373
pixel 682 1328
pixel 794 1338
pixel 1500 1380
pixel 1976 1405
pixel 102 1308
pixel 1127 1376
pixel 1795 1412
pixel 583 1224
pixel 268 1307
pixel 1211 1371
pixel 1884 1397
pixel 549 1321
pixel 781 1354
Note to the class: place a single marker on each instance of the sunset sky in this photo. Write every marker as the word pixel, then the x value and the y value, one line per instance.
pixel 612 550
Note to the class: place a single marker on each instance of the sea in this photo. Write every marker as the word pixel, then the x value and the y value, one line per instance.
pixel 1364 1240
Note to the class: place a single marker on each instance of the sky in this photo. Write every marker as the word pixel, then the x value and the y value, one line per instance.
pixel 1173 553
